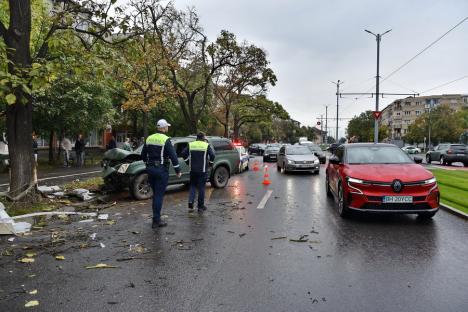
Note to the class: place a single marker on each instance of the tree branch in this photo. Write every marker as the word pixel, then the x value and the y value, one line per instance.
pixel 3 31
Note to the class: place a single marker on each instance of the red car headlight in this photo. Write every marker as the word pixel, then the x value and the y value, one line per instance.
pixel 354 189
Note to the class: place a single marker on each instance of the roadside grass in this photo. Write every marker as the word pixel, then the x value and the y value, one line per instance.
pixel 90 184
pixel 453 186
pixel 17 208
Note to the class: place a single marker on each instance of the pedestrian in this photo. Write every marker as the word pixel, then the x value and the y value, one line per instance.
pixel 135 143
pixel 35 147
pixel 112 144
pixel 156 153
pixel 199 154
pixel 127 145
pixel 80 150
pixel 66 147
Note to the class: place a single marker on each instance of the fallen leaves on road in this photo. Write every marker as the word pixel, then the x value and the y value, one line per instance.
pixel 33 292
pixel 242 234
pixel 32 303
pixel 59 257
pixel 31 254
pixel 26 260
pixel 102 266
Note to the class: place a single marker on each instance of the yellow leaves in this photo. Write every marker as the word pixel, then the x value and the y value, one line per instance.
pixel 101 266
pixel 59 257
pixel 26 260
pixel 33 292
pixel 31 254
pixel 32 303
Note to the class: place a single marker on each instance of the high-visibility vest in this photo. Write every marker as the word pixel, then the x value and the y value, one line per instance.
pixel 155 144
pixel 198 155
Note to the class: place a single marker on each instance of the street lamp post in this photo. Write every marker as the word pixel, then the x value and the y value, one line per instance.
pixel 377 80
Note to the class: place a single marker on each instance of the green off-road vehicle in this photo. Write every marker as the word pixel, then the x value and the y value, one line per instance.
pixel 123 169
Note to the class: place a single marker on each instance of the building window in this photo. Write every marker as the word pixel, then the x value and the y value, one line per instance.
pixel 418 103
pixel 407 113
pixel 418 113
pixel 398 113
pixel 407 103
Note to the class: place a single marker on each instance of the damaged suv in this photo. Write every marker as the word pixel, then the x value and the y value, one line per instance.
pixel 123 169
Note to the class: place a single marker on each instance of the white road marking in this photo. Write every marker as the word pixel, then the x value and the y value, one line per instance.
pixel 59 177
pixel 264 200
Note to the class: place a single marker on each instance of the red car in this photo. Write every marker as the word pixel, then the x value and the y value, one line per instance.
pixel 380 178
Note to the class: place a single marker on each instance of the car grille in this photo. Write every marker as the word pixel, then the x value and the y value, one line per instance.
pixel 302 162
pixel 384 207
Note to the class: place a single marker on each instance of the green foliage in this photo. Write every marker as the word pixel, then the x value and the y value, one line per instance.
pixel 362 127
pixel 447 125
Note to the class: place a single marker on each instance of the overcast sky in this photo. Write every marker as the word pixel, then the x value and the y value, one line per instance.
pixel 311 43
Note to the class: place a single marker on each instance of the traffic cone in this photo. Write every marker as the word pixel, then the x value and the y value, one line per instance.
pixel 266 177
pixel 255 167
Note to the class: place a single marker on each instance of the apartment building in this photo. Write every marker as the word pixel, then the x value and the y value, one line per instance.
pixel 401 113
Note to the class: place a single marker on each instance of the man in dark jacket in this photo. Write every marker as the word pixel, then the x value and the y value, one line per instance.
pixel 79 150
pixel 156 153
pixel 199 153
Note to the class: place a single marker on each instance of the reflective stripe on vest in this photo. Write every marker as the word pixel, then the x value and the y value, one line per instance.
pixel 158 139
pixel 199 146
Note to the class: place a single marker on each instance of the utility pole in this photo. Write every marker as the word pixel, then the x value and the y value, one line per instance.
pixel 326 124
pixel 337 104
pixel 321 128
pixel 378 37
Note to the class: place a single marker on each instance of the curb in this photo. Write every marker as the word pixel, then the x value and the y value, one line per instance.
pixel 454 211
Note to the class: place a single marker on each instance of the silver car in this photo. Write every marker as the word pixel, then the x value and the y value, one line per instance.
pixel 297 158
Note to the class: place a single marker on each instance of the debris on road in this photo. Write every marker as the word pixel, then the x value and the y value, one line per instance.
pixel 33 292
pixel 59 257
pixel 32 303
pixel 242 234
pixel 301 239
pixel 82 194
pixel 8 226
pixel 279 237
pixel 26 260
pixel 103 216
pixel 102 266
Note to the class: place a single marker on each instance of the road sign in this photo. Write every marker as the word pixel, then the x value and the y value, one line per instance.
pixel 377 114
pixel 318 123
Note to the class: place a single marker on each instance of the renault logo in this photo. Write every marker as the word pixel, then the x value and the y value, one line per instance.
pixel 397 186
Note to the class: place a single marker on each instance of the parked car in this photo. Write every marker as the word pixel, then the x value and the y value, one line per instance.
pixel 370 177
pixel 122 169
pixel 317 151
pixel 297 158
pixel 271 153
pixel 257 149
pixel 244 158
pixel 411 149
pixel 446 154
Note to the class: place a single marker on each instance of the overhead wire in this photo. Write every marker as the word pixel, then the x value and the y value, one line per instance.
pixel 445 84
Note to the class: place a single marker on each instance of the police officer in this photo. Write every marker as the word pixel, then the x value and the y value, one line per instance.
pixel 199 153
pixel 156 153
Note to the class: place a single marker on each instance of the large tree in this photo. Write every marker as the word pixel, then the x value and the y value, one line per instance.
pixel 29 67
pixel 362 127
pixel 251 76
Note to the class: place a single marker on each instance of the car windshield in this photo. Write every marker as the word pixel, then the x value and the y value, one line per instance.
pixel 298 150
pixel 377 155
pixel 458 147
pixel 272 149
pixel 314 148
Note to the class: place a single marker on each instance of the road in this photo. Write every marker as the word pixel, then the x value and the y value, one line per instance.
pixel 228 259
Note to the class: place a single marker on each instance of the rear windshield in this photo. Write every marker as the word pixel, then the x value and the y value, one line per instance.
pixel 314 148
pixel 298 150
pixel 458 147
pixel 377 155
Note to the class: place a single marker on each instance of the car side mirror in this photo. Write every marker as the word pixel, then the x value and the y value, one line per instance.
pixel 418 159
pixel 334 160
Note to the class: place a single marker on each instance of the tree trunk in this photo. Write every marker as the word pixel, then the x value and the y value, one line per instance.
pixel 145 124
pixel 19 115
pixel 135 124
pixel 51 146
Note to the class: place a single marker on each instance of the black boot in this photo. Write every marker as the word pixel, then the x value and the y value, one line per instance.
pixel 158 224
pixel 202 208
pixel 190 207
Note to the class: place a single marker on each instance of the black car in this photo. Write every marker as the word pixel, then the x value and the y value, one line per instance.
pixel 332 148
pixel 257 149
pixel 446 154
pixel 271 153
pixel 318 152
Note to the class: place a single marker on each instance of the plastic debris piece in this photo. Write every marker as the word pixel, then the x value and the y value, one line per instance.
pixel 101 266
pixel 32 303
pixel 59 257
pixel 103 216
pixel 87 221
pixel 93 236
pixel 11 239
pixel 102 245
pixel 26 260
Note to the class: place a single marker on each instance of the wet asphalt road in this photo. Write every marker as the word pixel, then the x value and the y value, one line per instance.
pixel 226 259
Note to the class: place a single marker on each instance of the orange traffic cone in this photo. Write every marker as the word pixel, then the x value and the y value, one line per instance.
pixel 266 177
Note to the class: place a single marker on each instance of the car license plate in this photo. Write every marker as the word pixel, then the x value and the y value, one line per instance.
pixel 123 168
pixel 460 154
pixel 397 199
